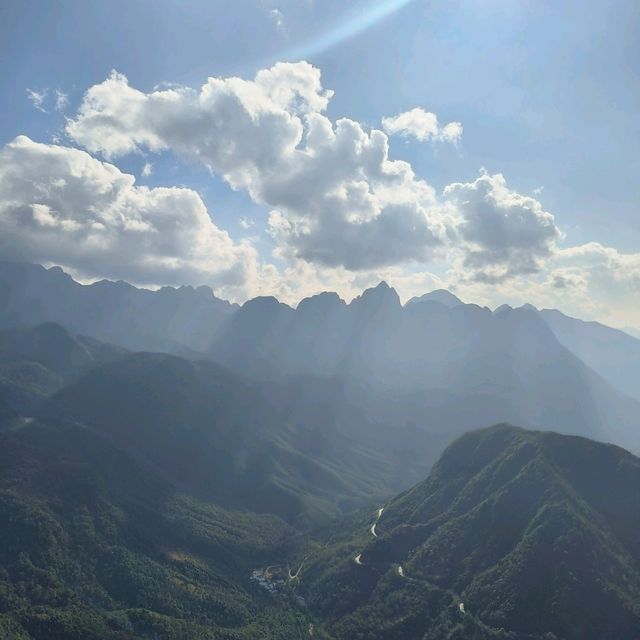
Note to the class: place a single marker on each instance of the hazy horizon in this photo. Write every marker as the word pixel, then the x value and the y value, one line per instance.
pixel 632 331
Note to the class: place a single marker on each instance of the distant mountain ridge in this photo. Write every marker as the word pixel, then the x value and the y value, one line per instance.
pixel 448 366
pixel 614 354
pixel 187 319
pixel 169 319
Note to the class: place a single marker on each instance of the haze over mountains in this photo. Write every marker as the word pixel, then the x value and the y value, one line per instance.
pixel 435 362
pixel 138 319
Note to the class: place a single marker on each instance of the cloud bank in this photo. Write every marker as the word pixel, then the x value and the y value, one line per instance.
pixel 336 197
pixel 507 234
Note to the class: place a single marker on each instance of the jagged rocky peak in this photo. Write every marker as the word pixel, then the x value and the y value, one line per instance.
pixel 57 272
pixel 381 295
pixel 503 308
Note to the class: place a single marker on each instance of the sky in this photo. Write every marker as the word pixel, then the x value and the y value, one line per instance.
pixel 286 147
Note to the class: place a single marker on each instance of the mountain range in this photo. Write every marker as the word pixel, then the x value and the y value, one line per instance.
pixel 264 475
pixel 270 447
pixel 169 319
pixel 435 363
pixel 446 367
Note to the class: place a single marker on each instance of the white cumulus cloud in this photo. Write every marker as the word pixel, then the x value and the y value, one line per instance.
pixel 60 205
pixel 336 197
pixel 503 233
pixel 343 214
pixel 423 126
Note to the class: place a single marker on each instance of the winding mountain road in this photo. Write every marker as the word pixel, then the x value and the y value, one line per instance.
pixel 400 569
pixel 372 529
pixel 375 522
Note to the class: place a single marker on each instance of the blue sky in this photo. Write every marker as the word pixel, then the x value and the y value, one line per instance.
pixel 547 94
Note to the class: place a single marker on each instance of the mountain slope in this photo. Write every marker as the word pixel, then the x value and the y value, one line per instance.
pixel 534 532
pixel 229 441
pixel 169 319
pixel 612 353
pixel 440 365
pixel 96 547
pixel 37 361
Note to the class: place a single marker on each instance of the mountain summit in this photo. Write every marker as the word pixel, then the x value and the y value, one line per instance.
pixel 442 296
pixel 378 297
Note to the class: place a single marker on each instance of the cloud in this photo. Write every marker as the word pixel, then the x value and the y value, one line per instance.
pixel 60 205
pixel 611 277
pixel 504 233
pixel 568 279
pixel 37 98
pixel 62 100
pixel 277 18
pixel 336 198
pixel 247 223
pixel 423 126
pixel 147 169
pixel 59 99
pixel 587 281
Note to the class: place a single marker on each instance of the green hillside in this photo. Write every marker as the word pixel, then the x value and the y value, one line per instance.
pixel 94 547
pixel 535 533
pixel 37 361
pixel 221 438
